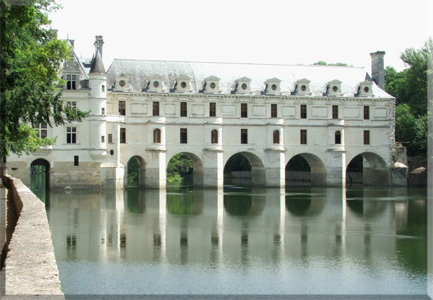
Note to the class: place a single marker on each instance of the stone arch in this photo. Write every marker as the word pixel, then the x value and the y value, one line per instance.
pixel 258 172
pixel 141 172
pixel 375 170
pixel 197 167
pixel 317 176
pixel 47 167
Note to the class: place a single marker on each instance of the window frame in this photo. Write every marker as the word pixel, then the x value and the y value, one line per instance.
pixel 366 137
pixel 157 136
pixel 183 109
pixel 122 108
pixel 244 136
pixel 244 110
pixel 71 82
pixel 212 109
pixel 303 137
pixel 214 136
pixel 366 112
pixel 183 135
pixel 155 108
pixel 337 137
pixel 276 137
pixel 41 130
pixel 335 112
pixel 71 135
pixel 274 110
pixel 122 135
pixel 303 111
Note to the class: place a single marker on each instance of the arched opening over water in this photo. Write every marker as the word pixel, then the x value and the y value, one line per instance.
pixel 305 169
pixel 305 201
pixel 367 169
pixel 136 172
pixel 245 169
pixel 185 168
pixel 40 178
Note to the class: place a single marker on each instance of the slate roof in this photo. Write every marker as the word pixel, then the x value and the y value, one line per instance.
pixel 97 64
pixel 139 70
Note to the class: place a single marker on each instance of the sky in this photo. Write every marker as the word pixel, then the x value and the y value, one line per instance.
pixel 247 31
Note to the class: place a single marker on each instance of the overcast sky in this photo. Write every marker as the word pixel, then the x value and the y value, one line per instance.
pixel 271 31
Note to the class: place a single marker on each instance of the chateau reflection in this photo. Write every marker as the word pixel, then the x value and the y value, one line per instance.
pixel 236 227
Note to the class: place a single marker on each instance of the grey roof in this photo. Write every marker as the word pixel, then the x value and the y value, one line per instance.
pixel 97 64
pixel 138 71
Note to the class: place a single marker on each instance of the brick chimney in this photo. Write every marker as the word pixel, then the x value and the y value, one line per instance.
pixel 378 68
pixel 99 42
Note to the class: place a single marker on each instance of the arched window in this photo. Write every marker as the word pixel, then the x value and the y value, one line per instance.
pixel 337 137
pixel 214 136
pixel 276 136
pixel 157 136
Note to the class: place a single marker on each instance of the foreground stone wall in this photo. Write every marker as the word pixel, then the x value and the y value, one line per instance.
pixel 30 269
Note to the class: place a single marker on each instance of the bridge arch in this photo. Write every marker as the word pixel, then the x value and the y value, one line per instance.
pixel 257 174
pixel 367 168
pixel 197 167
pixel 37 167
pixel 317 170
pixel 136 172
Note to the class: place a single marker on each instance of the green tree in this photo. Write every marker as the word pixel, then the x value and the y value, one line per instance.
pixel 30 57
pixel 324 63
pixel 179 166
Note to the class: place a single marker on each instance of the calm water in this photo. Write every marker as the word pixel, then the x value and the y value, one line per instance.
pixel 241 241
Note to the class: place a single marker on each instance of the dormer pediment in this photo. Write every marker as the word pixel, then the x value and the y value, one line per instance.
pixel 333 88
pixel 211 85
pixel 365 89
pixel 154 84
pixel 122 83
pixel 302 87
pixel 272 86
pixel 183 84
pixel 242 86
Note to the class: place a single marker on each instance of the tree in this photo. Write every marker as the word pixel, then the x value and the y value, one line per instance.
pixel 30 57
pixel 324 63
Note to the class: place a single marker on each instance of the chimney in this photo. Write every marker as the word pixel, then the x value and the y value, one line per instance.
pixel 99 42
pixel 378 68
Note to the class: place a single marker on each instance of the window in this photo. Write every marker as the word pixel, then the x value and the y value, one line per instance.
pixel 244 136
pixel 155 109
pixel 303 136
pixel 273 110
pixel 303 111
pixel 123 135
pixel 103 111
pixel 183 136
pixel 337 137
pixel 102 138
pixel 183 109
pixel 366 112
pixel 110 138
pixel 122 108
pixel 41 130
pixel 335 111
pixel 212 109
pixel 244 110
pixel 157 136
pixel 76 160
pixel 103 88
pixel 71 82
pixel 276 136
pixel 366 137
pixel 214 136
pixel 71 135
pixel 72 104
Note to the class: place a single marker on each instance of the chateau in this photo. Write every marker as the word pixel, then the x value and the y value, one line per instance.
pixel 153 110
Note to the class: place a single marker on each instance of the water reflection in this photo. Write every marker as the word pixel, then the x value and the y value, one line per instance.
pixel 279 236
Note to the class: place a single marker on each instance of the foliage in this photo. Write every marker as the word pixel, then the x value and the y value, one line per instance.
pixel 30 59
pixel 410 89
pixel 323 63
pixel 179 166
pixel 132 168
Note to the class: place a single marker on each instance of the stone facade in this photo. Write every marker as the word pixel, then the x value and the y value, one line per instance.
pixel 153 110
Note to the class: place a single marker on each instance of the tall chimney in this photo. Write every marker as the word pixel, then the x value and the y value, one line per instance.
pixel 378 68
pixel 99 42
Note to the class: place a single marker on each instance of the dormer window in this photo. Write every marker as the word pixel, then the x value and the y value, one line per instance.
pixel 122 83
pixel 183 84
pixel 365 89
pixel 242 86
pixel 333 89
pixel 154 84
pixel 302 87
pixel 272 86
pixel 71 82
pixel 211 85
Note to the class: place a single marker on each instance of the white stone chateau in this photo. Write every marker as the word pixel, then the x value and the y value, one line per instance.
pixel 153 110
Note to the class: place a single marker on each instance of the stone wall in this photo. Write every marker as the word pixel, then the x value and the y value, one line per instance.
pixel 30 269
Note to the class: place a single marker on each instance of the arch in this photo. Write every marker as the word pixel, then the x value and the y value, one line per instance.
pixel 135 175
pixel 300 202
pixel 367 168
pixel 197 167
pixel 157 136
pixel 40 178
pixel 256 174
pixel 276 137
pixel 214 136
pixel 313 174
pixel 337 138
pixel 248 202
